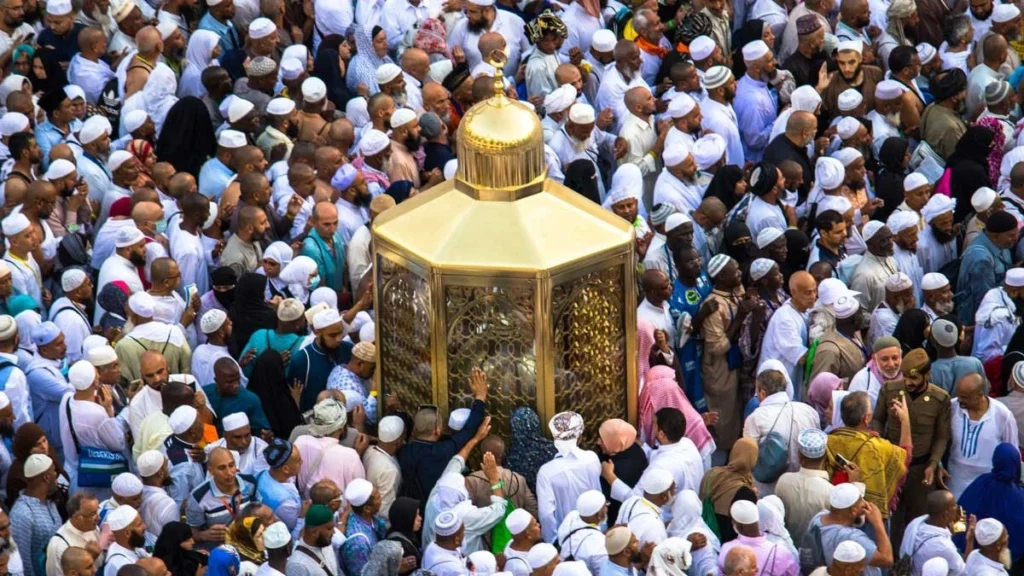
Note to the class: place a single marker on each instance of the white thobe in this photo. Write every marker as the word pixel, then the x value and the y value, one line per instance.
pixel 756 111
pixel 157 509
pixel 90 76
pixel 505 23
pixel 924 541
pixel 973 442
pixel 721 119
pixel 932 254
pixel 540 73
pixel 585 542
pixel 368 14
pixel 476 521
pixel 27 279
pixel 565 147
pixel 444 562
pixel 995 321
pixel 643 519
pixel 560 482
pixel 330 18
pixel 104 243
pixel 785 340
pixel 350 218
pixel 187 250
pixel 67 536
pixel 778 412
pixel 979 565
pixel 883 322
pixel 980 77
pixel 16 389
pixel 73 323
pixel 651 63
pixel 251 461
pixel 681 459
pixel 881 130
pixel 115 268
pixel 413 94
pixel 301 217
pixel 203 359
pixel 112 194
pixel 640 137
pixel 865 381
pixel 869 279
pixel 94 172
pixel 118 556
pixel 761 215
pixel 358 258
pixel 93 427
pixel 771 14
pixel 145 402
pixel 658 316
pixel 685 197
pixel 908 263
pixel 581 26
pixel 612 94
pixel 398 17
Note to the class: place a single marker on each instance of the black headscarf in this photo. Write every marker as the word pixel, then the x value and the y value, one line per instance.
pixel 56 78
pixel 741 251
pixel 179 561
pixel 224 276
pixel 723 185
pixel 325 67
pixel 969 168
pixel 752 30
pixel 581 176
pixel 399 190
pixel 946 85
pixel 268 382
pixel 798 252
pixel 402 516
pixel 975 145
pixel 910 329
pixel 192 140
pixel 1014 353
pixel 889 180
pixel 249 312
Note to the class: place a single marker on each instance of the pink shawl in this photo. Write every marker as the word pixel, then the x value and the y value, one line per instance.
pixel 645 341
pixel 662 391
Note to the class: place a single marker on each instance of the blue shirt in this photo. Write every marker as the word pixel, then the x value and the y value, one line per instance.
pixel 213 177
pixel 65 46
pixel 946 372
pixel 331 263
pixel 343 379
pixel 36 523
pixel 229 39
pixel 48 136
pixel 244 401
pixel 313 366
pixel 47 386
pixel 982 267
pixel 612 569
pixel 756 110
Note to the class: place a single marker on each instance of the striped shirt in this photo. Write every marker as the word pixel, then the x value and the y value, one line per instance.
pixel 208 506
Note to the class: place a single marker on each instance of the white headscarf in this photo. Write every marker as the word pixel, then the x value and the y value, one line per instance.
pixel 671 557
pixel 296 276
pixel 12 83
pixel 772 521
pixel 803 99
pixel 451 491
pixel 198 57
pixel 158 94
pixel 686 518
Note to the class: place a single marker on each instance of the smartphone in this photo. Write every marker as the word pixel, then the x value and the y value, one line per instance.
pixel 189 291
pixel 842 460
pixel 832 66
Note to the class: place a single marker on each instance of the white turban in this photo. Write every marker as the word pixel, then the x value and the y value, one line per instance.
pixel 900 220
pixel 708 150
pixel 829 173
pixel 560 99
pixel 937 205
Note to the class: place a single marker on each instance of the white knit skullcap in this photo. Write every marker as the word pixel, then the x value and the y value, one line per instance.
pixel 82 375
pixel 675 220
pixel 373 142
pixel 842 496
pixel 518 521
pixel 937 205
pixel 581 113
pixel 849 551
pixel 133 120
pixel 292 68
pixel 934 281
pixel 122 517
pixel 603 40
pixel 656 481
pixel 983 198
pixel 677 154
pixel 926 52
pixel 36 464
pixel 390 428
pixel 717 264
pixel 768 235
pixel 238 109
pixel 913 181
pixel 849 99
pixel 313 89
pixel 851 46
pixel 401 117
pixel 936 566
pixel 1003 13
pixel 590 502
pixel 847 155
pixel 760 268
pixel 870 229
pixel 126 485
pixel 988 531
pixel 560 99
pixel 358 492
pixel 388 72
pixel 150 462
pixel 898 282
pixel 541 555
pixel 15 224
pixel 848 127
pixel 102 355
pixel 142 304
pixel 231 139
pixel 701 47
pixel 182 419
pixel 212 321
pixel 117 159
pixel 681 105
pixel 326 318
pixel 754 50
pixel 59 168
pixel 889 90
pixel 280 106
pixel 235 421
pixel 838 203
pixel 447 523
pixel 72 279
pixel 261 28
pixel 900 220
pixel 846 306
pixel 12 123
pixel 744 512
pixel 93 128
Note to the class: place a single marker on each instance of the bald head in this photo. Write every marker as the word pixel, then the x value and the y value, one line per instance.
pixel 416 62
pixel 740 560
pixel 175 395
pixel 636 97
pixel 433 91
pixel 162 268
pixel 489 42
pixel 249 215
pixel 625 50
pixel 146 211
pixel 970 385
pixel 342 130
pixel 89 38
pixel 324 211
pixel 75 560
pixel 162 172
pixel 1017 175
pixel 151 359
pixel 247 156
pixel 995 47
pixel 801 280
pixel 800 122
pixel 713 208
pixel 218 456
pixel 181 184
pixel 145 195
pixel 62 152
pixel 940 502
pixel 652 279
pixel 483 88
pixel 850 10
pixel 149 40
pixel 326 155
pixel 567 73
pixel 153 566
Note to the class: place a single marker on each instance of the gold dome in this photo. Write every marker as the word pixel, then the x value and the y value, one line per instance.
pixel 501 146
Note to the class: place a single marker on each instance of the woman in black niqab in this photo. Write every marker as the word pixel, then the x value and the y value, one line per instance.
pixel 798 252
pixel 268 382
pixel 402 517
pixel 180 560
pixel 728 185
pixel 969 168
pixel 192 140
pixel 249 312
pixel 581 176
pixel 326 66
pixel 892 169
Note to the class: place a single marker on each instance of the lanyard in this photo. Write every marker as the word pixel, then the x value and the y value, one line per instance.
pixel 232 505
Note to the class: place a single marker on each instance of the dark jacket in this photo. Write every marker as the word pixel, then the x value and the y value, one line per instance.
pixel 423 462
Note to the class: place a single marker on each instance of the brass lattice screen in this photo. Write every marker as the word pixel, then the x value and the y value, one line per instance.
pixel 403 333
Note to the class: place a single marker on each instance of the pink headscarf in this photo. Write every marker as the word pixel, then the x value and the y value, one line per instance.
pixel 820 392
pixel 617 435
pixel 645 341
pixel 662 391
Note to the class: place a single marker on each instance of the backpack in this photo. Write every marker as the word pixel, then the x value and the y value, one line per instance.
pixel 812 553
pixel 40 566
pixel 903 566
pixel 773 452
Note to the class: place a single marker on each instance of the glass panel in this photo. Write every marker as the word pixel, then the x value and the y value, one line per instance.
pixel 403 334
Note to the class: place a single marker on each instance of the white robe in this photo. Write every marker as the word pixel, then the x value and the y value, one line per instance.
pixel 994 324
pixel 883 322
pixel 145 402
pixel 931 254
pixel 103 246
pixel 90 76
pixel 73 323
pixel 785 340
pixel 685 197
pixel 203 359
pixel 560 482
pixel 25 275
pixel 869 279
pixel 908 263
pixel 93 427
pixel 251 461
pixel 763 215
pixel 117 268
pixel 187 250
pixel 973 442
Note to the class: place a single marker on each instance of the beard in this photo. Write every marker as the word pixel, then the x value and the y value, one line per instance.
pixel 580 145
pixel 942 236
pixel 137 259
pixel 899 308
pixel 413 143
pixel 943 308
pixel 13 22
pixel 137 540
pixel 982 16
pixel 475 27
pixel 856 185
pixel 400 98
pixel 853 76
pixel 893 118
pixel 894 374
pixel 363 201
pixel 322 541
pixel 1004 557
pixel 167 482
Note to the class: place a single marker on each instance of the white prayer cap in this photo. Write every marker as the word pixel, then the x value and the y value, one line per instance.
pixel 121 10
pixel 676 154
pixel 849 551
pixel 388 72
pixel 983 198
pixel 276 536
pixel 656 481
pixel 182 419
pixel 708 150
pixel 560 99
pixel 390 428
pixel 483 562
pixel 117 159
pixel 754 50
pixel 849 99
pixel 212 321
pixel 936 566
pixel 36 464
pixel 701 47
pixel 142 304
pixel 93 341
pixel 847 155
pixel 292 68
pixel 238 109
pixel 937 205
pixel 128 236
pixel 716 76
pixel 150 462
pixel 102 355
pixel 373 142
pixel 675 220
pixel 590 502
pixel 889 90
pixel 313 89
pixel 133 120
pixel 838 203
pixel 900 220
pixel 58 7
pixel 289 310
pixel 603 40
pixel 368 332
pixel 717 263
pixel 121 517
pixel 166 29
pixel 8 327
pixel 934 281
pixel 457 419
pixel 846 306
pixel 59 168
pixel 579 568
pixel 681 105
pixel 401 117
pixel 913 181
pixel 72 278
pixel 848 127
pixel 988 530
pixel 843 496
pixel 744 512
pixel 768 235
pixel 829 173
pixel 82 375
pixel 231 139
pixel 518 521
pixel 541 555
pixel 450 168
pixel 4 401
pixel 280 106
pixel 93 128
pixel 235 421
pixel 12 123
pixel 326 318
pixel 261 28
pixel 127 485
pixel 581 113
pixel 944 333
pixel 1014 277
pixel 15 224
pixel 871 228
pixel 926 52
pixel 851 46
pixel 898 282
pixel 1003 13
pixel 447 523
pixel 358 492
pixel 760 268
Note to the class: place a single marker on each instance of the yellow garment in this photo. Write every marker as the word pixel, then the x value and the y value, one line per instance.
pixel 628 32
pixel 882 465
pixel 154 429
